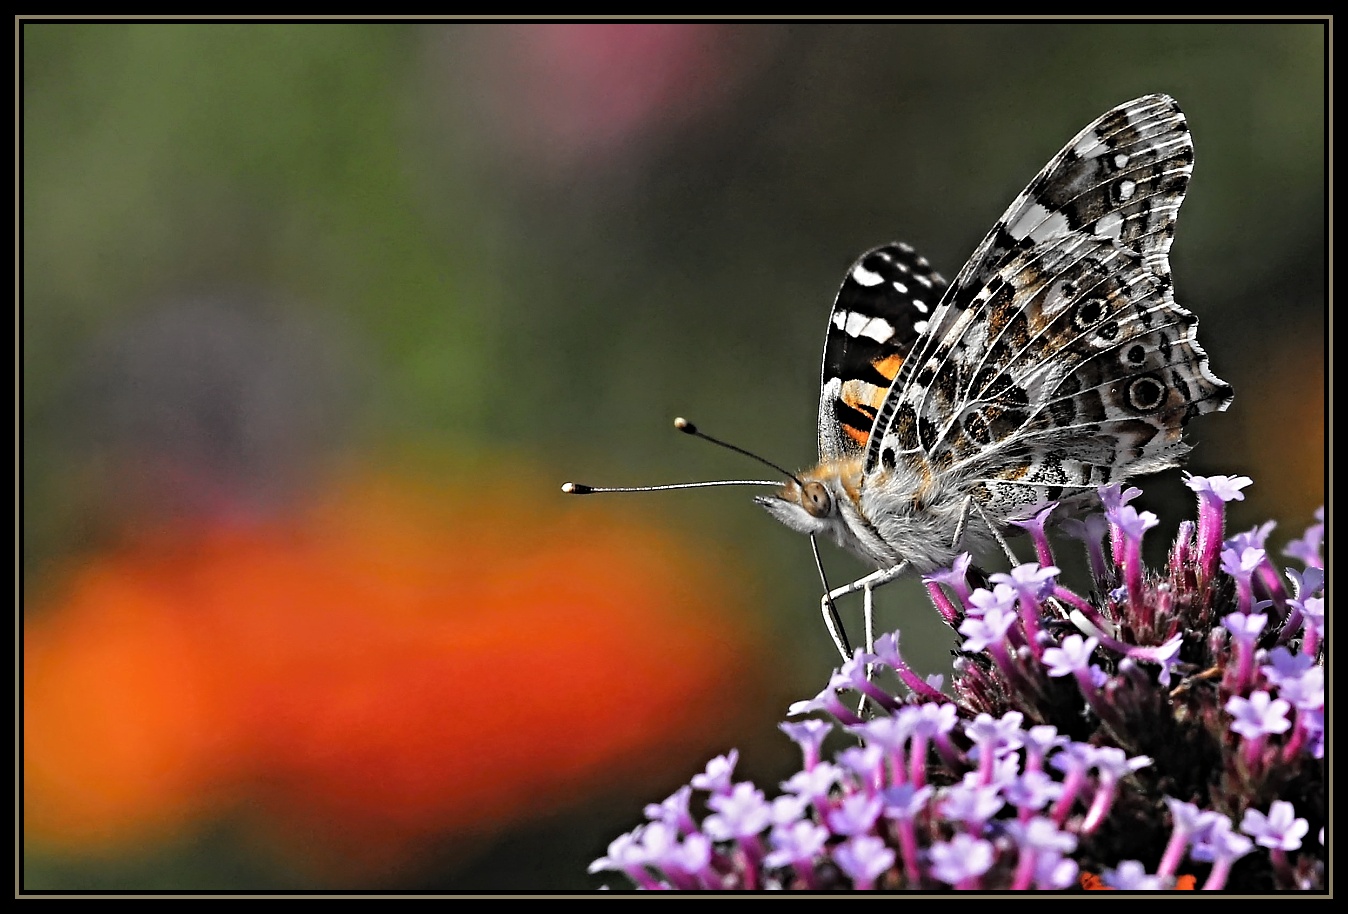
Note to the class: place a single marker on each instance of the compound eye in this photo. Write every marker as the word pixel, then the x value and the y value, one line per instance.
pixel 815 498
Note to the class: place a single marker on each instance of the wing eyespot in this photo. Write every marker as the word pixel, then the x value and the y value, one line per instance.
pixel 1089 312
pixel 1146 393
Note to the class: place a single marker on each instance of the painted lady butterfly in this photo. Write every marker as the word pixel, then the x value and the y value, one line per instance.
pixel 1055 363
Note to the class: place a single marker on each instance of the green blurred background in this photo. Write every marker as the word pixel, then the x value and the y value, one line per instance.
pixel 513 253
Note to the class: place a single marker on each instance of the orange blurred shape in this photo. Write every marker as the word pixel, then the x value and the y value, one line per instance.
pixel 396 666
pixel 1093 883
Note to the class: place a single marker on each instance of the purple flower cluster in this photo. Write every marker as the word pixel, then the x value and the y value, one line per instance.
pixel 1165 728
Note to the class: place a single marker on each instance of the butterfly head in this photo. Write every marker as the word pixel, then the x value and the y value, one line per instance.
pixel 825 502
pixel 810 507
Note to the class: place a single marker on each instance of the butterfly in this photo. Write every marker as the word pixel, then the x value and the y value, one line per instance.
pixel 1056 362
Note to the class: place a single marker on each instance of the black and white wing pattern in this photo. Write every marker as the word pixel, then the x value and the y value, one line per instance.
pixel 880 314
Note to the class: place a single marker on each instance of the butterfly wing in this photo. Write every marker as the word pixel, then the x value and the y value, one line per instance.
pixel 881 311
pixel 1058 359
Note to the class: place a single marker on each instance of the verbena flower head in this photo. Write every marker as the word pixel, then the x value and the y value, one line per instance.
pixel 1163 729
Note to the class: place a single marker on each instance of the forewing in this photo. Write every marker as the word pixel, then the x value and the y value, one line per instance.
pixel 881 311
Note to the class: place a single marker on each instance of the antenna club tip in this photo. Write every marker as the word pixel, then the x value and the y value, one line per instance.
pixel 575 488
pixel 684 425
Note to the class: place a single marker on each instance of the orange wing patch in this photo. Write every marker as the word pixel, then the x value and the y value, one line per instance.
pixel 889 366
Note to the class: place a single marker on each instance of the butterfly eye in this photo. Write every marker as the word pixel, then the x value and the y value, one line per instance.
pixel 815 499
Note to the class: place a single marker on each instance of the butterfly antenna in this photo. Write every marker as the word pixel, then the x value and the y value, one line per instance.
pixel 577 488
pixel 688 428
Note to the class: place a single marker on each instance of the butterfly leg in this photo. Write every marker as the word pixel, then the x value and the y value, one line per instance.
pixel 971 505
pixel 866 585
pixel 997 532
pixel 868 614
pixel 834 624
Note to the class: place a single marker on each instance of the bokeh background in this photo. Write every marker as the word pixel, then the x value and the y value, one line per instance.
pixel 316 319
